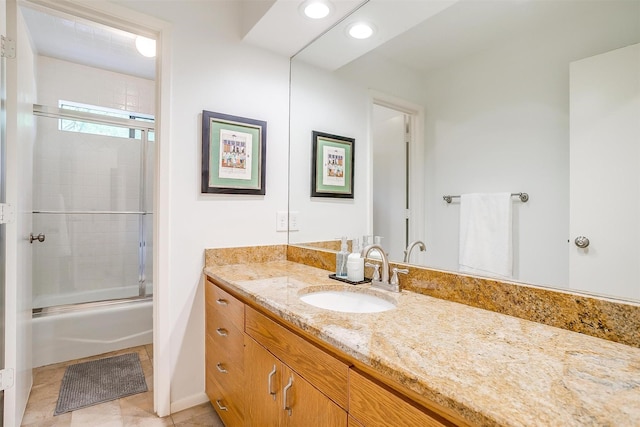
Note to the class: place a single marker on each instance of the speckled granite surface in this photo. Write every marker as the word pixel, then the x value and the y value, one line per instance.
pixel 241 255
pixel 599 317
pixel 491 368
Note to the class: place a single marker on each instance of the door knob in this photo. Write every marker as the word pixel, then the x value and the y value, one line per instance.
pixel 39 237
pixel 582 242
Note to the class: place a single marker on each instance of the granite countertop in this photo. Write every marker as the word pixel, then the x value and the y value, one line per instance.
pixel 490 368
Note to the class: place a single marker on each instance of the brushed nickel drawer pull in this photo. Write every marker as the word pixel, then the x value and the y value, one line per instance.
pixel 285 399
pixel 271 374
pixel 222 408
pixel 222 332
pixel 221 369
pixel 222 301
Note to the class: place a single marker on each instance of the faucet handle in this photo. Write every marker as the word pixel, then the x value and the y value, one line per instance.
pixel 394 276
pixel 376 270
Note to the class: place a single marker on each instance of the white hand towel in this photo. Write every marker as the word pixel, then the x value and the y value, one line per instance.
pixel 486 234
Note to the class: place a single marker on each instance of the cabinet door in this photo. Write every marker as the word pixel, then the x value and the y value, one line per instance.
pixel 374 406
pixel 263 373
pixel 304 406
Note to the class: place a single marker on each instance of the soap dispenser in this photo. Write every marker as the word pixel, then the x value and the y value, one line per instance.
pixel 341 259
pixel 355 264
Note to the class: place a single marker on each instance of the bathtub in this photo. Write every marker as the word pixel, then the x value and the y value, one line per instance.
pixel 58 337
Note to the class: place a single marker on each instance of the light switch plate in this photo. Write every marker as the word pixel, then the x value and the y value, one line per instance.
pixel 282 220
pixel 293 221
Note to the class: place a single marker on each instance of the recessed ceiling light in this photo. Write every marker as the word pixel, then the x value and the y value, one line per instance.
pixel 146 47
pixel 361 30
pixel 316 9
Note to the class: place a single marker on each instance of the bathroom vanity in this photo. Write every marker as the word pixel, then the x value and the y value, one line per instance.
pixel 273 359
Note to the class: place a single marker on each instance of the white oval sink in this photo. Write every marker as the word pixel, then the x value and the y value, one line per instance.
pixel 347 302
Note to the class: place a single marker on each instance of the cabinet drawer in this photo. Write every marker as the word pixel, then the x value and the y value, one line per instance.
pixel 225 366
pixel 224 304
pixel 224 332
pixel 374 406
pixel 326 373
pixel 227 403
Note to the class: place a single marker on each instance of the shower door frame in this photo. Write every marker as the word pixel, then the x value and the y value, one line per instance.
pixel 144 127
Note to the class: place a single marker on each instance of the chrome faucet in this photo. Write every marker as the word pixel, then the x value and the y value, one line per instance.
pixel 383 282
pixel 407 252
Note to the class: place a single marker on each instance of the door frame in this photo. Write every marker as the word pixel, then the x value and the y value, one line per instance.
pixel 417 186
pixel 3 138
pixel 138 23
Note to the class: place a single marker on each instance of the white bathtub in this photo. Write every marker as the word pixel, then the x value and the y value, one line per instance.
pixel 93 330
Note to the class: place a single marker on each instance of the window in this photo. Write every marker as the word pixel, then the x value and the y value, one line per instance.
pixel 77 125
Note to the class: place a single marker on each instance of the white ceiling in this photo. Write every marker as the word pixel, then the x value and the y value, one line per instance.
pixel 470 26
pixel 280 26
pixel 419 34
pixel 275 25
pixel 390 18
pixel 76 40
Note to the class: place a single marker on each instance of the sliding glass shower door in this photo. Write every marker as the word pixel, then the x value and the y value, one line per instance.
pixel 92 208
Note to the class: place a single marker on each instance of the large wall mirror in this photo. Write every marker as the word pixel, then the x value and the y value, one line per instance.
pixel 458 97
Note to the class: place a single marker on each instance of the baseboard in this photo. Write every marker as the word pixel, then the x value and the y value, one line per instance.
pixel 189 402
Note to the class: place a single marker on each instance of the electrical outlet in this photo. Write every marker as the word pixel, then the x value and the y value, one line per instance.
pixel 293 221
pixel 282 220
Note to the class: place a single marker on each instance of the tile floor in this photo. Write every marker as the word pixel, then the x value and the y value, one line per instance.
pixel 136 410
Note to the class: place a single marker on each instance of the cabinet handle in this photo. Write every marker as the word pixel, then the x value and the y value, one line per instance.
pixel 222 332
pixel 285 399
pixel 222 407
pixel 271 374
pixel 222 301
pixel 221 369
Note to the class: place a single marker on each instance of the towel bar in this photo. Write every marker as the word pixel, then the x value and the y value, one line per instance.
pixel 524 197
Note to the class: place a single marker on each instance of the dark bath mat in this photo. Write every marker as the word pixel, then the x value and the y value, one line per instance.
pixel 89 383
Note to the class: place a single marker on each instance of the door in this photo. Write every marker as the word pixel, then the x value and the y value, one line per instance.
pixel 277 396
pixel 604 177
pixel 390 180
pixel 306 405
pixel 20 84
pixel 3 121
pixel 263 385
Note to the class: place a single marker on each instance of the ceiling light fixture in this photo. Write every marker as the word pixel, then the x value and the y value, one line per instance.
pixel 316 9
pixel 360 30
pixel 146 46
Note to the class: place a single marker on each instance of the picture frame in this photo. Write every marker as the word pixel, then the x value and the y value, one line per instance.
pixel 332 165
pixel 233 154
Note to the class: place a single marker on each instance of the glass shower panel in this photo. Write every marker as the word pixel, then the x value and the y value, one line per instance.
pixel 88 202
pixel 149 190
pixel 85 258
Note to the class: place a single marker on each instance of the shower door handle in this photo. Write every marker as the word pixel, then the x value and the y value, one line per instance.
pixel 40 237
pixel 581 242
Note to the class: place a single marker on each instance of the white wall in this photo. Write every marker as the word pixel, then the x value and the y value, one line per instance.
pixel 339 103
pixel 323 102
pixel 499 121
pixel 212 70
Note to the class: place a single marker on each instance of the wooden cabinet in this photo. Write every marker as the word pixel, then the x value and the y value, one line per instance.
pixel 353 422
pixel 324 371
pixel 263 372
pixel 278 396
pixel 224 354
pixel 373 405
